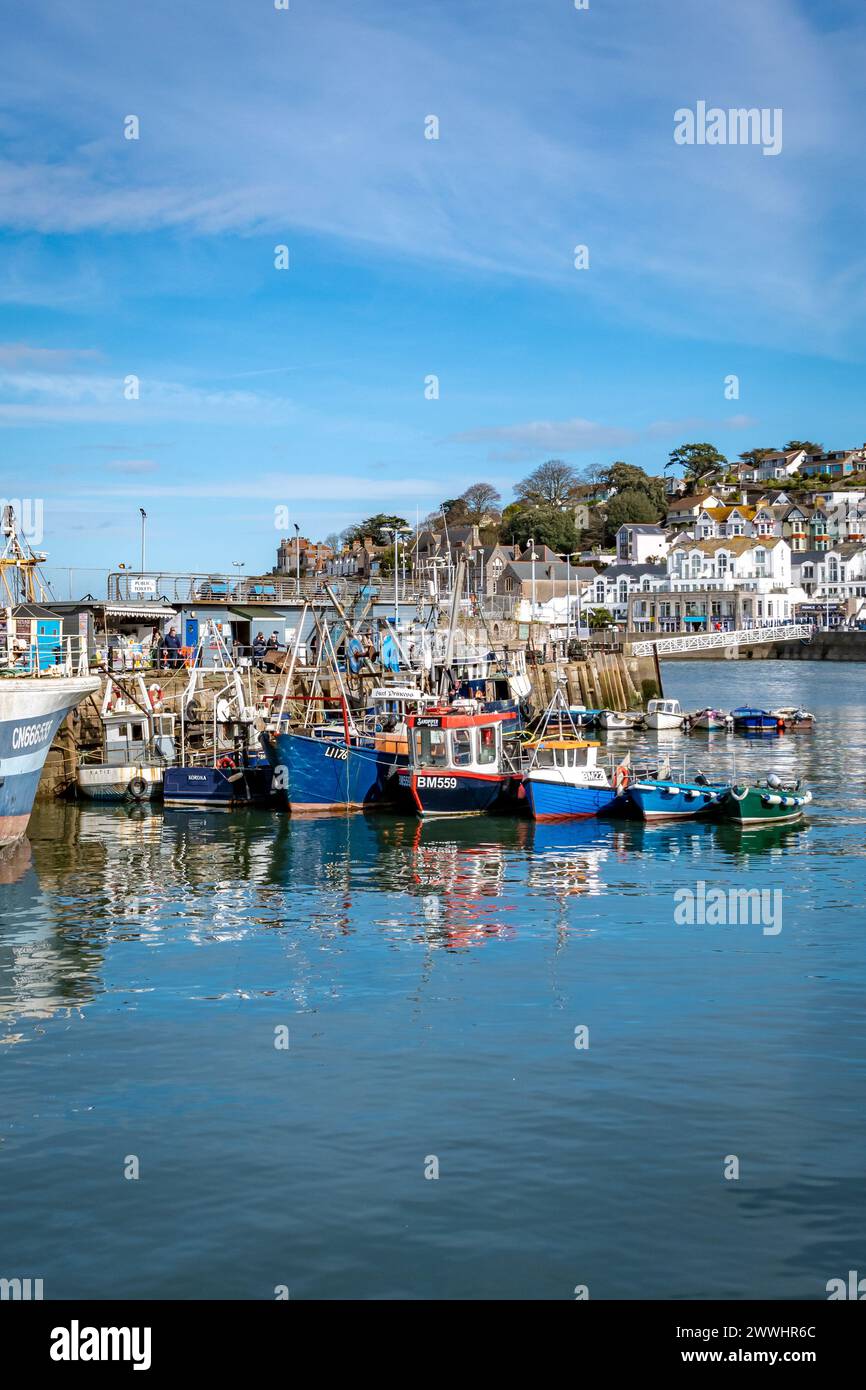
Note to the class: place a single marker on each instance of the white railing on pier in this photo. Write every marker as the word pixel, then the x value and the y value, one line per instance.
pixel 740 637
pixel 67 656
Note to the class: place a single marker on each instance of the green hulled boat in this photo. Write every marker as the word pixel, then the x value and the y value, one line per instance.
pixel 771 802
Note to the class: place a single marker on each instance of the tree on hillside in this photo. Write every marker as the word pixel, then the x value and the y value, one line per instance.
pixel 807 444
pixel 699 463
pixel 481 501
pixel 373 526
pixel 550 484
pixel 549 526
pixel 629 506
pixel 626 477
pixel 334 541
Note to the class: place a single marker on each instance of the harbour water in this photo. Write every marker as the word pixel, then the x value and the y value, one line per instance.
pixel 431 979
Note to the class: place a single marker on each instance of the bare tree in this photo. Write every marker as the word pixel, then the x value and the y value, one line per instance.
pixel 551 484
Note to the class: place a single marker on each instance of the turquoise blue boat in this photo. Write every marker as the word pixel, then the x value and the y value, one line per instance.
pixel 655 800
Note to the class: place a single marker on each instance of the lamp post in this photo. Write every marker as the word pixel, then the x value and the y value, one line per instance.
pixel 571 556
pixel 143 530
pixel 297 557
pixel 532 559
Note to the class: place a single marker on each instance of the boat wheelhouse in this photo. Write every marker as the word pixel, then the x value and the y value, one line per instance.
pixel 457 764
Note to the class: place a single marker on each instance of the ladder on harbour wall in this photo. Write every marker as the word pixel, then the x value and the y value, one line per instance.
pixel 740 637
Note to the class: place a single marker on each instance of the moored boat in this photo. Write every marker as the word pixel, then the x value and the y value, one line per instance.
pixel 664 714
pixel 713 720
pixel 771 802
pixel 38 687
pixel 137 746
pixel 749 720
pixel 793 718
pixel 457 765
pixel 657 800
pixel 620 719
pixel 564 781
pixel 233 781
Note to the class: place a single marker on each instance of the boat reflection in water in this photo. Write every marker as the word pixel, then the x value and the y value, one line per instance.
pixel 565 858
pixel 41 971
pixel 458 879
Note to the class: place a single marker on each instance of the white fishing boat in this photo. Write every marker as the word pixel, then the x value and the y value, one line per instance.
pixel 138 744
pixel 619 719
pixel 664 714
pixel 713 720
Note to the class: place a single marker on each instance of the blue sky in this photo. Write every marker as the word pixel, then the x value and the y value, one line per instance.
pixel 409 257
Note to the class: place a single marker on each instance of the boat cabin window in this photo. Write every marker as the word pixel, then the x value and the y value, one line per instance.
pixel 461 747
pixel 487 744
pixel 431 747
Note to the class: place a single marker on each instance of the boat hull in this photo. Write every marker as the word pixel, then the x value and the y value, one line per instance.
pixel 452 793
pixel 216 788
pixel 564 801
pixel 317 774
pixel 758 806
pixel 31 712
pixel 661 801
pixel 125 782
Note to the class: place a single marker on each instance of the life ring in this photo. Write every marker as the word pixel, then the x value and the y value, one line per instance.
pixel 355 653
pixel 226 764
pixel 620 778
pixel 138 788
pixel 154 694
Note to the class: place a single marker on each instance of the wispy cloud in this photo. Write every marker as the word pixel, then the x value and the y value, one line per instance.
pixel 539 438
pixel 50 398
pixel 515 443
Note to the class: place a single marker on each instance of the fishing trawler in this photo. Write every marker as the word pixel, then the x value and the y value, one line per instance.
pixel 221 766
pixel 137 746
pixel 40 683
pixel 457 765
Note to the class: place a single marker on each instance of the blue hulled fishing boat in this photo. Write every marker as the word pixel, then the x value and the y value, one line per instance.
pixel 565 782
pixel 747 720
pixel 328 769
pixel 233 781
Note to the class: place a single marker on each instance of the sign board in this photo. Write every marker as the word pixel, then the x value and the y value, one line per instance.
pixel 142 586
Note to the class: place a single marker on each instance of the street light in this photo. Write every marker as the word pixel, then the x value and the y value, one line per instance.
pixel 143 526
pixel 532 558
pixel 297 557
pixel 569 558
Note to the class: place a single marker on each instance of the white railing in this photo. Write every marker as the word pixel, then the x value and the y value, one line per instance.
pixel 740 637
pixel 67 656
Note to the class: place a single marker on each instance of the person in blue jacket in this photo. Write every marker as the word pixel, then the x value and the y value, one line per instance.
pixel 172 645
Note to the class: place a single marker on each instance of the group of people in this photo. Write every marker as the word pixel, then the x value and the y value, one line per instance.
pixel 261 647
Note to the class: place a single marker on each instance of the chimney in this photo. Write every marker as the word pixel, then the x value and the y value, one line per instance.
pixel 744 497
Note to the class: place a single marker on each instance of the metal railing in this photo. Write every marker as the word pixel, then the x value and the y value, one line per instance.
pixel 703 641
pixel 46 657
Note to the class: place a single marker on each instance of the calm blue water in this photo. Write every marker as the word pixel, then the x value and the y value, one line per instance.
pixel 431 979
